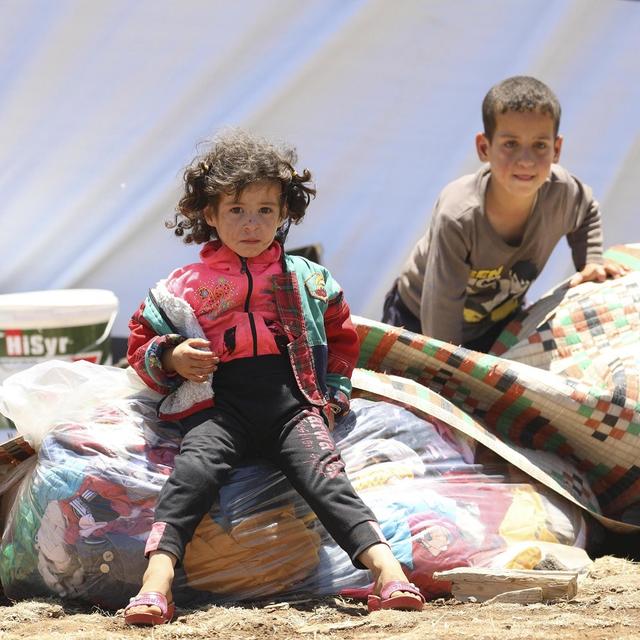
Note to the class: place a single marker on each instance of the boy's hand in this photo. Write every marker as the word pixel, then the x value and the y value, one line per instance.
pixel 595 272
pixel 192 359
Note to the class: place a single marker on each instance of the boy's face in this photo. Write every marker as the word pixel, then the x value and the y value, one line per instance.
pixel 520 153
pixel 247 223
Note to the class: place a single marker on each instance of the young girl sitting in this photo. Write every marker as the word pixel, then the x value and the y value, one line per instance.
pixel 253 350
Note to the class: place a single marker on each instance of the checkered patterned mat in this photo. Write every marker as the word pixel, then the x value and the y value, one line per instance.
pixel 566 383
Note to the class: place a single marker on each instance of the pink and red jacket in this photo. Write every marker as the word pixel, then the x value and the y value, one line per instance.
pixel 245 307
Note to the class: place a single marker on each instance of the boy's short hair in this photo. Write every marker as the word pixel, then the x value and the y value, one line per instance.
pixel 519 93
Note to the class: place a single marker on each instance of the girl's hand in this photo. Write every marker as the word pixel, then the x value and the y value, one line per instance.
pixel 594 272
pixel 192 359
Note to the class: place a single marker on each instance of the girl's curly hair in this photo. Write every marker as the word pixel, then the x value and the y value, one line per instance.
pixel 234 160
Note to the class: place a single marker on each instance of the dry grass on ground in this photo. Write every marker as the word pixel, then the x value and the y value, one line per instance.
pixel 607 606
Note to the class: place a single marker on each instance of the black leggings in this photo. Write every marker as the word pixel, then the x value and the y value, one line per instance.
pixel 260 411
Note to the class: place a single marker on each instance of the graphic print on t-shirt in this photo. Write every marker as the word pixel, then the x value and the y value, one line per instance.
pixel 489 294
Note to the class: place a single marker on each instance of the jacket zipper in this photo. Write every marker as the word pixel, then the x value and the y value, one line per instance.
pixel 252 322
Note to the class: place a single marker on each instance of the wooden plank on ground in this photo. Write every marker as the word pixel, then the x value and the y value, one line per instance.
pixel 482 584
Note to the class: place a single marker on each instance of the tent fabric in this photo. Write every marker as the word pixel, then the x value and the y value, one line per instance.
pixel 103 102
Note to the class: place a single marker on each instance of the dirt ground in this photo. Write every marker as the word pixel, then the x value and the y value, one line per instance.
pixel 607 605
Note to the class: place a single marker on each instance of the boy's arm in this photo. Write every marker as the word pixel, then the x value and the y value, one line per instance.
pixel 445 281
pixel 585 239
pixel 343 347
pixel 586 242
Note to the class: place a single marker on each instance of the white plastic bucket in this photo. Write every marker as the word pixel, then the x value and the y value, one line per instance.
pixel 61 324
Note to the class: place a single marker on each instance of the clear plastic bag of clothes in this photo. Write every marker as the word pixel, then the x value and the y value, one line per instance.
pixel 54 391
pixel 78 525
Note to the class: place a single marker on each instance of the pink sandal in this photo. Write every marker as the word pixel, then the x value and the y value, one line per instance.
pixel 150 598
pixel 401 602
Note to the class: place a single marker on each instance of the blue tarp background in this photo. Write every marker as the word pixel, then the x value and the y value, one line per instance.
pixel 102 103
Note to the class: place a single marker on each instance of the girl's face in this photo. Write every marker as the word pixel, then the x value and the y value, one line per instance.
pixel 247 223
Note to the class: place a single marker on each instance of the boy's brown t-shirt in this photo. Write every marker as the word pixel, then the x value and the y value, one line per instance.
pixel 462 277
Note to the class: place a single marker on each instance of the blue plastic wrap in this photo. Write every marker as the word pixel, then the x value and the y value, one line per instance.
pixel 78 526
